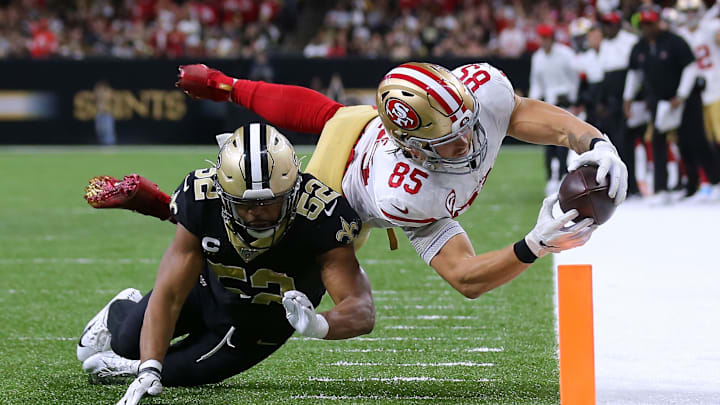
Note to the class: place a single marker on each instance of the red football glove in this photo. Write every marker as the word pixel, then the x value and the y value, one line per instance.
pixel 199 81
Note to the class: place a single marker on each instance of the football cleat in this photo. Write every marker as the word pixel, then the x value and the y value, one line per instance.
pixel 106 367
pixel 133 192
pixel 96 336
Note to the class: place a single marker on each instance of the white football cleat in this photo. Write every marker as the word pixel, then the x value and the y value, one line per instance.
pixel 109 364
pixel 96 336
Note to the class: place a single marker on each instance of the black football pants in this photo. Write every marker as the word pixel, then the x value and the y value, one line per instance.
pixel 181 366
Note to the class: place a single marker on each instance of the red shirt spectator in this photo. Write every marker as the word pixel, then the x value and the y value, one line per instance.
pixel 248 9
pixel 44 42
pixel 206 12
pixel 143 10
pixel 175 47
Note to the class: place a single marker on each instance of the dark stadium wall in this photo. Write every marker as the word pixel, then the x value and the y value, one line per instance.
pixel 55 101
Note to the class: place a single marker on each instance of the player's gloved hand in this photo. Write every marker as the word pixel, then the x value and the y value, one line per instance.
pixel 605 157
pixel 147 382
pixel 301 315
pixel 200 81
pixel 551 235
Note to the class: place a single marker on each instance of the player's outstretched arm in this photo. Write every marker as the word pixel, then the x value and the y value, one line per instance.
pixel 349 288
pixel 291 107
pixel 178 272
pixel 472 275
pixel 541 123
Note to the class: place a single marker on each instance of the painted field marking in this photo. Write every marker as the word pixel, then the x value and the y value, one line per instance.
pixel 367 397
pixel 396 338
pixel 450 364
pixel 577 352
pixel 77 260
pixel 404 327
pixel 417 306
pixel 382 349
pixel 396 379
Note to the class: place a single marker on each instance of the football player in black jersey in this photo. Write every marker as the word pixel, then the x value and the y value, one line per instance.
pixel 256 246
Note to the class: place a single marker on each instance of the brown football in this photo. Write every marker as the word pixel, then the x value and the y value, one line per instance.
pixel 580 191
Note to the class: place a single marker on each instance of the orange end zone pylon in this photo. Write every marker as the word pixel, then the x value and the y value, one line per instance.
pixel 577 349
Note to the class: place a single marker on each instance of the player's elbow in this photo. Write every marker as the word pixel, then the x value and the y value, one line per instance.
pixel 471 290
pixel 366 319
pixel 457 276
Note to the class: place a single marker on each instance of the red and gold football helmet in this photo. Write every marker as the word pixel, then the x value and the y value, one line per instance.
pixel 424 106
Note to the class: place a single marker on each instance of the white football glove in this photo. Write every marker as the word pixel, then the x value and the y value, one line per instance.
pixel 147 382
pixel 605 156
pixel 301 315
pixel 551 235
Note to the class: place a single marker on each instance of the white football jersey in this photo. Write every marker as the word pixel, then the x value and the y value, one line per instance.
pixel 707 54
pixel 388 189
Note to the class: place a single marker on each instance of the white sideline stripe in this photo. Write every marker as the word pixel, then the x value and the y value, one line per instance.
pixel 655 288
pixel 364 397
pixel 472 350
pixel 398 338
pixel 77 260
pixel 452 364
pixel 396 379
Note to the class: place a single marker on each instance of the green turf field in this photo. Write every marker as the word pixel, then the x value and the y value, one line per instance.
pixel 61 261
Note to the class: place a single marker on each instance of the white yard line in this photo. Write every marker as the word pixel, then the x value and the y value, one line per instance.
pixel 61 338
pixel 399 338
pixel 77 260
pixel 369 397
pixel 430 317
pixel 408 327
pixel 656 304
pixel 382 349
pixel 450 364
pixel 417 307
pixel 397 379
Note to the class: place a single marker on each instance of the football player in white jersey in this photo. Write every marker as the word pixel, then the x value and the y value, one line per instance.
pixel 421 158
pixel 703 36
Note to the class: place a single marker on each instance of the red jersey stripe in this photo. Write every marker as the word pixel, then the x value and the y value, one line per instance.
pixel 432 75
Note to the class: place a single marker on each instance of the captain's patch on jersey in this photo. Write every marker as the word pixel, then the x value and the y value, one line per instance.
pixel 348 231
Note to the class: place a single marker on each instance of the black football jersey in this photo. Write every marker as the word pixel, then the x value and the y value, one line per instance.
pixel 246 282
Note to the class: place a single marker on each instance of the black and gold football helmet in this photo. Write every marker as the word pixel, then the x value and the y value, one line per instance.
pixel 257 167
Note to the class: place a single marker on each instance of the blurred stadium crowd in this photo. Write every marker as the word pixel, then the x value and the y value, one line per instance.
pixel 242 28
pixel 580 55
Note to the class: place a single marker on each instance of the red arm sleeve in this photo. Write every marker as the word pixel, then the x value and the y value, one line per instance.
pixel 291 107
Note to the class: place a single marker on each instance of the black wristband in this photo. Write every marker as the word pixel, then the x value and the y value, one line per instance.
pixel 594 141
pixel 523 252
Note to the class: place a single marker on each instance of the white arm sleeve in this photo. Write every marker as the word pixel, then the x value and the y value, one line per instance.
pixel 633 80
pixel 687 81
pixel 429 239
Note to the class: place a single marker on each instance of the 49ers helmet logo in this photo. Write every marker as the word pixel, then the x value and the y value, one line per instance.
pixel 402 114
